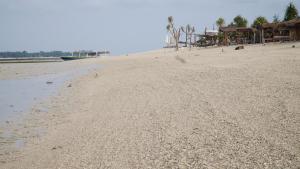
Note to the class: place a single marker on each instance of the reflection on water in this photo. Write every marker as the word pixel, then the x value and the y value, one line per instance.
pixel 17 96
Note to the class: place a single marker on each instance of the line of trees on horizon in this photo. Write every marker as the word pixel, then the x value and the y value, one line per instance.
pixel 291 12
pixel 34 54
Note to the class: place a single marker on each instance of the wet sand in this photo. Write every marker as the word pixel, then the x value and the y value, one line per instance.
pixel 20 94
pixel 193 109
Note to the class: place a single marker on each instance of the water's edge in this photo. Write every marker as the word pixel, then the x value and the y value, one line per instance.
pixel 18 96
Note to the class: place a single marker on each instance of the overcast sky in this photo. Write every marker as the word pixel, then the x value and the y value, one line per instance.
pixel 121 26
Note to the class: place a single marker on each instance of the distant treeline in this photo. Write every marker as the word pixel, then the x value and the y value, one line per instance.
pixel 35 54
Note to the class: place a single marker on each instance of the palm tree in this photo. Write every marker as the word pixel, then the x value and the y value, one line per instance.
pixel 291 12
pixel 259 21
pixel 174 32
pixel 220 22
pixel 240 21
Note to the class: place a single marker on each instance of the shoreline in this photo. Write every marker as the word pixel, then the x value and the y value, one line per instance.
pixel 30 60
pixel 16 129
pixel 138 107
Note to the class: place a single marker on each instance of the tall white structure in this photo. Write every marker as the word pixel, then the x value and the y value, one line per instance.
pixel 170 41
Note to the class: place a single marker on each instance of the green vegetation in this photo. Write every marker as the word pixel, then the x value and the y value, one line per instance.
pixel 259 21
pixel 291 12
pixel 220 22
pixel 36 54
pixel 240 21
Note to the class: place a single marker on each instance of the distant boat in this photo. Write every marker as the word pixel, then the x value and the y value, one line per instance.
pixel 67 58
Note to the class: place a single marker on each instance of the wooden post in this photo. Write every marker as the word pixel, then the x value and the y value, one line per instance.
pixel 225 38
pixel 262 36
pixel 186 37
pixel 273 34
pixel 292 34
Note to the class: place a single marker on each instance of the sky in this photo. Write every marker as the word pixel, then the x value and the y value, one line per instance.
pixel 121 26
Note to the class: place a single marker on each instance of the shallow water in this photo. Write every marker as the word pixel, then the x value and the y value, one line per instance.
pixel 17 96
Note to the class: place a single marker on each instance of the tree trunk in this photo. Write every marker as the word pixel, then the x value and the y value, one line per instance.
pixel 186 39
pixel 190 42
pixel 177 46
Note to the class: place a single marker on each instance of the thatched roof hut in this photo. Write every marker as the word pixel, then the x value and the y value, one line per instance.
pixel 281 31
pixel 238 35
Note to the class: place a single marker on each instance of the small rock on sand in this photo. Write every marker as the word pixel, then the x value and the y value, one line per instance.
pixel 56 147
pixel 239 48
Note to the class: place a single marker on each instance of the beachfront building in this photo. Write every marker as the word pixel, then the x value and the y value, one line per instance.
pixel 232 35
pixel 237 35
pixel 209 38
pixel 281 31
pixel 268 32
pixel 89 53
pixel 83 53
pixel 103 53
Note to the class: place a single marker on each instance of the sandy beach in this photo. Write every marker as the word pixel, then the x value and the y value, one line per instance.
pixel 164 109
